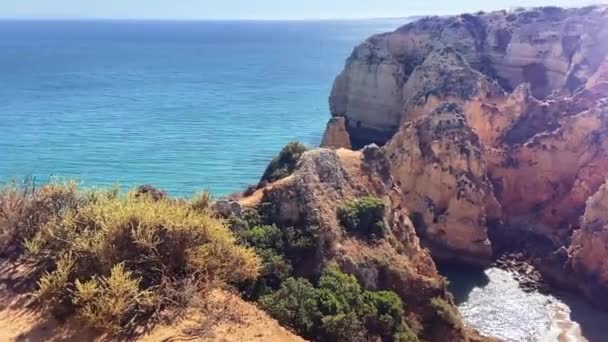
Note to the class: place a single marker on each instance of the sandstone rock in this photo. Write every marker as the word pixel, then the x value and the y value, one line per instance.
pixel 544 183
pixel 486 119
pixel 336 135
pixel 437 161
pixel 550 48
pixel 589 249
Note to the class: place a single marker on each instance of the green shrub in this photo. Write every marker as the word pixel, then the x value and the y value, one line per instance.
pixel 343 327
pixel 363 216
pixel 294 305
pixel 285 163
pixel 338 309
pixel 115 259
pixel 269 244
pixel 280 249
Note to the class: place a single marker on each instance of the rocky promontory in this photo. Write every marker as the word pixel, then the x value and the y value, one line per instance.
pixel 494 126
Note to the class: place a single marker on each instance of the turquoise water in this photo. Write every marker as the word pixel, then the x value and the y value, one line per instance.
pixel 184 106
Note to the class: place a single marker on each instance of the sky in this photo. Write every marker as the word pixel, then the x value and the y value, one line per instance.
pixel 257 9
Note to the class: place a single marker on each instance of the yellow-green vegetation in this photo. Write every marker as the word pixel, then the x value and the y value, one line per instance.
pixel 338 309
pixel 363 216
pixel 285 163
pixel 25 208
pixel 118 260
pixel 446 312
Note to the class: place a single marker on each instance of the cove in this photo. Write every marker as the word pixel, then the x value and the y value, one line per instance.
pixel 492 301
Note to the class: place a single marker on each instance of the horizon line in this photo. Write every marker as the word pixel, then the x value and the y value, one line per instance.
pixel 205 19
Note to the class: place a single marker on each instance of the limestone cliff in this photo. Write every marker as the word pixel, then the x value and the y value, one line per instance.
pixel 551 48
pixel 437 161
pixel 494 120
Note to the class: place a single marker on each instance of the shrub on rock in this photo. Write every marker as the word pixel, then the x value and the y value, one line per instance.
pixel 339 309
pixel 363 216
pixel 285 163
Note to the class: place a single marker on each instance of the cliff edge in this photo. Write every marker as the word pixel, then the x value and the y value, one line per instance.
pixel 494 125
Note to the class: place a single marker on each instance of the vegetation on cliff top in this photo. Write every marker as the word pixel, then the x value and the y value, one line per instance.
pixel 332 306
pixel 285 163
pixel 118 260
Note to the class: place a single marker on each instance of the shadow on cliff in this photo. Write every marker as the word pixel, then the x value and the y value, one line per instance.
pixel 463 279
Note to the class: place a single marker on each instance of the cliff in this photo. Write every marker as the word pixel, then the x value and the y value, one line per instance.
pixel 494 126
pixel 552 49
pixel 389 259
pixel 437 161
pixel 589 250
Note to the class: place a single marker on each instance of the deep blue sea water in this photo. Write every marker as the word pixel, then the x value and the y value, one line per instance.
pixel 184 106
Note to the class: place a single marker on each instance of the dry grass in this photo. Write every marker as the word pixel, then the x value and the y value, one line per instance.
pixel 118 261
pixel 24 208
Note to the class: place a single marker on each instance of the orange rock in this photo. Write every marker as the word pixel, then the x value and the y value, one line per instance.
pixel 336 135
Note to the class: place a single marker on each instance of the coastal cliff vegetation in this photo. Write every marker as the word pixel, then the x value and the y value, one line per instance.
pixel 118 261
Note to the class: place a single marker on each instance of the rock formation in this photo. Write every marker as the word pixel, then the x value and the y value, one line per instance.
pixel 494 120
pixel 551 48
pixel 589 249
pixel 336 135
pixel 437 161
pixel 323 180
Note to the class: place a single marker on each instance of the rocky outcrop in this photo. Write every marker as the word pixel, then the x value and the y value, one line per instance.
pixel 544 183
pixel 589 250
pixel 323 181
pixel 437 161
pixel 552 49
pixel 336 135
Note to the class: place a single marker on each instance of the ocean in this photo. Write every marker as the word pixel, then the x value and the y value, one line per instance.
pixel 184 106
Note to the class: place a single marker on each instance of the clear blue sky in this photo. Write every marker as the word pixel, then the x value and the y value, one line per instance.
pixel 257 9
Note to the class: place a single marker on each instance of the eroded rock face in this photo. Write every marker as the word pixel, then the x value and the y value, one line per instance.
pixel 550 48
pixel 437 161
pixel 530 131
pixel 544 183
pixel 326 178
pixel 589 249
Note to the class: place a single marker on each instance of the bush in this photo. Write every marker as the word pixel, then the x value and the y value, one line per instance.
pixel 112 303
pixel 269 245
pixel 285 163
pixel 281 249
pixel 114 261
pixel 338 309
pixel 446 311
pixel 295 305
pixel 364 216
pixel 24 209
